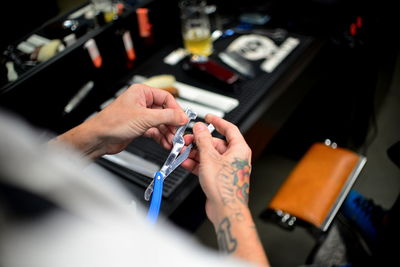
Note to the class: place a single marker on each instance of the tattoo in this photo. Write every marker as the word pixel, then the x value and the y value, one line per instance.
pixel 241 177
pixel 239 216
pixel 226 241
pixel 234 190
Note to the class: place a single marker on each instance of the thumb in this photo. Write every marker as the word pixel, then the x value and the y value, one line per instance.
pixel 175 117
pixel 203 138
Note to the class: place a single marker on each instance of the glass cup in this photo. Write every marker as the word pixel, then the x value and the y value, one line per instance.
pixel 196 31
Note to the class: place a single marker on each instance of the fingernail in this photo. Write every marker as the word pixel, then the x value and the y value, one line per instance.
pixel 199 127
pixel 184 118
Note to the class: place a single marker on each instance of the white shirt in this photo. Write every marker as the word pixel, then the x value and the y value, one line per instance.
pixel 95 224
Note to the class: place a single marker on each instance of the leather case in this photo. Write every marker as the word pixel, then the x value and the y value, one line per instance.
pixel 316 188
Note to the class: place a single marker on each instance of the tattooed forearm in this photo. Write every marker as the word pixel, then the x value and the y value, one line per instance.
pixel 227 190
pixel 235 183
pixel 227 243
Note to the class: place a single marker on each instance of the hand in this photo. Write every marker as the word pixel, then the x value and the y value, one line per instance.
pixel 140 110
pixel 223 168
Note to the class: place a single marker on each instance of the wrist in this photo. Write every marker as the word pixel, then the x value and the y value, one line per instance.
pixel 84 138
pixel 238 215
pixel 237 235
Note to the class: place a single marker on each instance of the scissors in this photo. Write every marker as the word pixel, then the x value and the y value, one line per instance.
pixel 171 163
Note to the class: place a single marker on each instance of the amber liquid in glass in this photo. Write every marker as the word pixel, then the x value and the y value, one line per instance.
pixel 198 42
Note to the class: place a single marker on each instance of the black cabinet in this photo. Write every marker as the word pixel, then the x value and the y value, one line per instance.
pixel 41 92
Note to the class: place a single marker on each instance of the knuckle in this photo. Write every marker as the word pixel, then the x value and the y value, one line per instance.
pixel 212 156
pixel 134 87
pixel 232 127
pixel 201 140
pixel 248 149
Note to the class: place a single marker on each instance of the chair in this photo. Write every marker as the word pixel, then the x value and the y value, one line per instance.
pixel 316 188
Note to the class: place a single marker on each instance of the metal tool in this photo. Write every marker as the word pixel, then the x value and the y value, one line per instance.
pixel 178 144
pixel 171 163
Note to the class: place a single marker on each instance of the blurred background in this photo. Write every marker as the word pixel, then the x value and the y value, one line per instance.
pixel 343 84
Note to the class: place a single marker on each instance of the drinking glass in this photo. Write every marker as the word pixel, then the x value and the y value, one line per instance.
pixel 196 30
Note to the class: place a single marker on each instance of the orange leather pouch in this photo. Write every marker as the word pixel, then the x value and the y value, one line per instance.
pixel 318 185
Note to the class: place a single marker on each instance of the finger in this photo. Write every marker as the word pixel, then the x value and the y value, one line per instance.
pixel 164 130
pixel 227 129
pixel 194 155
pixel 203 139
pixel 162 98
pixel 170 137
pixel 155 134
pixel 156 117
pixel 172 129
pixel 220 145
pixel 192 161
pixel 166 143
pixel 191 165
pixel 189 138
pixel 169 131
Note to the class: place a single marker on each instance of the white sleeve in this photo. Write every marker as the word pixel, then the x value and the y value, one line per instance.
pixel 95 224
